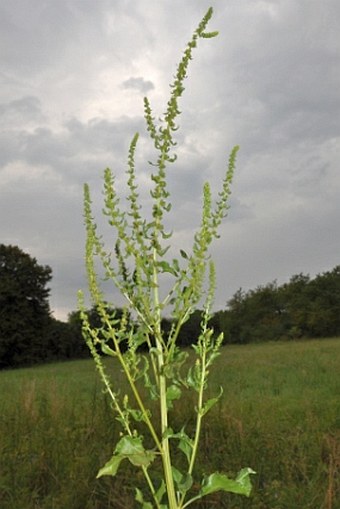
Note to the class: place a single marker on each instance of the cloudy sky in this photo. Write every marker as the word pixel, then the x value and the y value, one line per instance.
pixel 73 75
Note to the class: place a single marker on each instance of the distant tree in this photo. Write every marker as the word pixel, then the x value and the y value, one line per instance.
pixel 24 307
pixel 190 330
pixel 323 296
pixel 64 341
pixel 297 298
pixel 221 323
pixel 301 308
pixel 233 319
pixel 256 315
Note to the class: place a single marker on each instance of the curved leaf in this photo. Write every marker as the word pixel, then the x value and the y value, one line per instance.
pixel 220 482
pixel 210 403
pixel 130 448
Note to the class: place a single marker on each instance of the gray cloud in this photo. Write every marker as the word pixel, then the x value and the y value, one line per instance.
pixel 25 109
pixel 69 108
pixel 139 84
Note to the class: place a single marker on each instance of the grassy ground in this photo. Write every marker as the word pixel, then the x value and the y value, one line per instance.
pixel 280 414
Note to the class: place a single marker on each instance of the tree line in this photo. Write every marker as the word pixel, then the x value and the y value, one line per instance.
pixel 29 334
pixel 302 308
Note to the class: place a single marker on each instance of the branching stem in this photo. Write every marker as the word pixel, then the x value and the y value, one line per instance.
pixel 141 264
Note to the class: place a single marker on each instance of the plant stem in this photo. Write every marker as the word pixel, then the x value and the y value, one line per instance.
pixel 198 419
pixel 166 459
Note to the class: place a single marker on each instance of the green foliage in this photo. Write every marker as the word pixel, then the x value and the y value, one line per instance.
pixel 24 308
pixel 303 307
pixel 138 268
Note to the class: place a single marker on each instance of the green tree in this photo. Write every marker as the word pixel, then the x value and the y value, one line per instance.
pixel 303 307
pixel 314 304
pixel 24 307
pixel 64 341
pixel 324 316
pixel 256 315
pixel 295 295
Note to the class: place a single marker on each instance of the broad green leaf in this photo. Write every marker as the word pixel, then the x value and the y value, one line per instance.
pixel 211 402
pixel 185 442
pixel 132 449
pixel 186 448
pixel 173 392
pixel 183 482
pixel 172 369
pixel 220 482
pixel 194 377
pixel 111 467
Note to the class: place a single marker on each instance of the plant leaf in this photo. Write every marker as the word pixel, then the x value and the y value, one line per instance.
pixel 173 392
pixel 161 491
pixel 211 402
pixel 209 35
pixel 152 388
pixel 184 254
pixel 111 467
pixel 220 482
pixel 140 499
pixel 107 350
pixel 183 481
pixel 185 442
pixel 130 448
pixel 166 267
pixel 137 415
pixel 194 377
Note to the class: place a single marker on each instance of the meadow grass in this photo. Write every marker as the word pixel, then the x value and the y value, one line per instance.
pixel 280 414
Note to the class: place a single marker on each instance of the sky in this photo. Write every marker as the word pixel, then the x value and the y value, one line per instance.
pixel 72 80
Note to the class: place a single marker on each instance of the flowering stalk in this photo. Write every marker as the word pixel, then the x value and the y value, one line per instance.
pixel 136 268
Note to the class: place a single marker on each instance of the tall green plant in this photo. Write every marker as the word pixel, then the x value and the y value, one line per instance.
pixel 137 267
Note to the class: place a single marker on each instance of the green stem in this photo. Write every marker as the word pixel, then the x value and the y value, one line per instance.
pixel 137 395
pixel 143 409
pixel 199 418
pixel 151 486
pixel 166 458
pixel 198 422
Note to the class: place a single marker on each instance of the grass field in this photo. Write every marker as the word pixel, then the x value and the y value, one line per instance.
pixel 280 415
